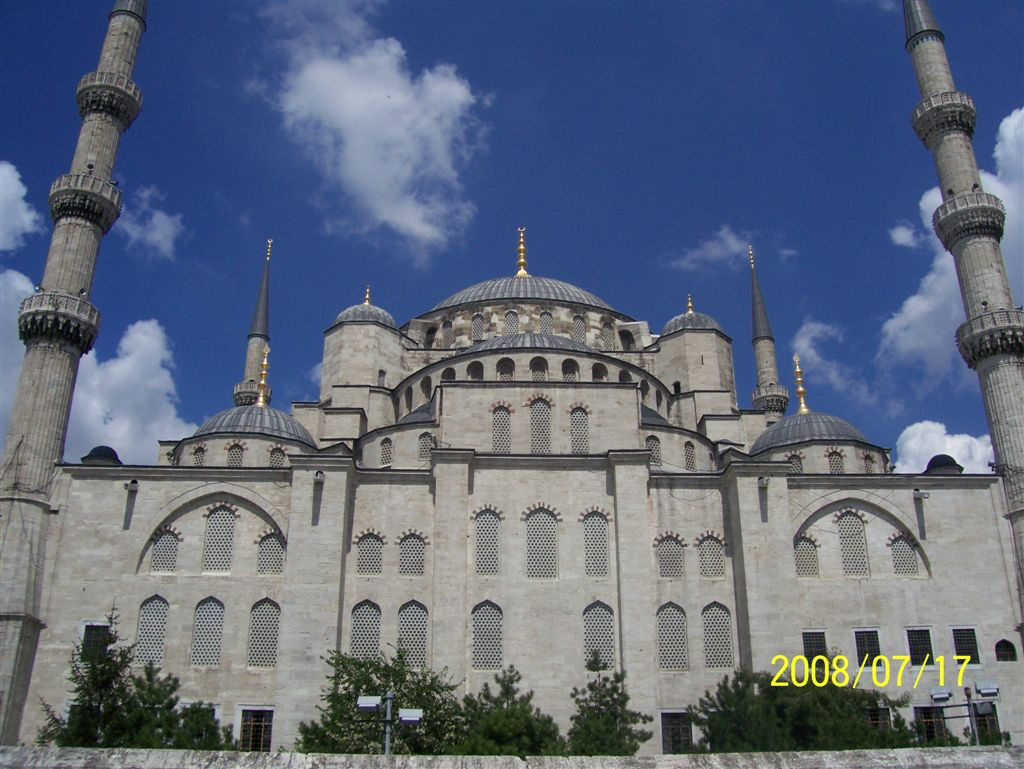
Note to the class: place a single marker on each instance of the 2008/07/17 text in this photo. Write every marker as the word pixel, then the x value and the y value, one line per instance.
pixel 883 671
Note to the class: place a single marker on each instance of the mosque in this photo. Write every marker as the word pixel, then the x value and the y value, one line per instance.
pixel 520 475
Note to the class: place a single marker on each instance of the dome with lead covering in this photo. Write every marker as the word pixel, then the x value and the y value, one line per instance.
pixel 366 313
pixel 256 420
pixel 691 320
pixel 801 428
pixel 525 287
pixel 530 340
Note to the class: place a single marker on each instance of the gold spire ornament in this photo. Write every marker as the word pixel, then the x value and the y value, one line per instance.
pixel 261 388
pixel 270 242
pixel 366 298
pixel 689 304
pixel 521 264
pixel 800 391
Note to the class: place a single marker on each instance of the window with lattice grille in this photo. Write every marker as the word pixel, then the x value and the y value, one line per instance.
pixel 448 375
pixel 369 554
pixel 653 445
pixel 506 370
pixel 866 642
pixel 599 373
pixel 607 337
pixel 711 555
pixel 276 458
pixel 488 537
pixel 220 540
pixel 412 632
pixel 1005 651
pixel 475 372
pixel 579 329
pixel 717 636
pixel 256 729
pixel 570 371
pixel 796 464
pixel 546 325
pixel 411 551
pixel 426 443
pixel 96 639
pixel 447 334
pixel 919 643
pixel 579 431
pixel 805 554
pixel 626 340
pixel 930 723
pixel 835 463
pixel 624 376
pixel 199 457
pixel 595 545
pixel 672 638
pixel 965 644
pixel 599 634
pixel 235 456
pixel 869 464
pixel 386 450
pixel 541 545
pixel 501 430
pixel 540 427
pixel 270 555
pixel 149 644
pixel 690 456
pixel 207 633
pixel 852 546
pixel 263 623
pixel 904 557
pixel 365 640
pixel 676 733
pixel 164 552
pixel 669 552
pixel 487 637
pixel 477 327
pixel 539 370
pixel 814 644
pixel 511 323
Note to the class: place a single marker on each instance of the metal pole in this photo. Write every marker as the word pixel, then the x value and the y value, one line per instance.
pixel 970 715
pixel 389 698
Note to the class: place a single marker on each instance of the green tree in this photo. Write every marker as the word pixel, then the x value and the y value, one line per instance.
pixel 505 722
pixel 112 708
pixel 341 729
pixel 603 724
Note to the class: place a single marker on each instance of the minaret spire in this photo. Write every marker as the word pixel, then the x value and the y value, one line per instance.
pixel 769 394
pixel 246 392
pixel 970 225
pixel 798 374
pixel 521 263
pixel 58 325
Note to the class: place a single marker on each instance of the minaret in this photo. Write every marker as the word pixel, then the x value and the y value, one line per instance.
pixel 769 394
pixel 246 391
pixel 58 325
pixel 970 225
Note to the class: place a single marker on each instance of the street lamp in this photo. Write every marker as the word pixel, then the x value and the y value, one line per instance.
pixel 369 704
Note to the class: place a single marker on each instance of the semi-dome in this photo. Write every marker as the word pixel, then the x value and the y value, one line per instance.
pixel 525 287
pixel 801 428
pixel 691 320
pixel 257 420
pixel 531 340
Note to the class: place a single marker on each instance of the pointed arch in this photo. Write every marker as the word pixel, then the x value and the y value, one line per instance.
pixel 149 639
pixel 364 641
pixel 488 636
pixel 412 632
pixel 672 649
pixel 264 620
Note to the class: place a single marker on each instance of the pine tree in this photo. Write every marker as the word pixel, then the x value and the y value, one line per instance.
pixel 603 724
pixel 505 722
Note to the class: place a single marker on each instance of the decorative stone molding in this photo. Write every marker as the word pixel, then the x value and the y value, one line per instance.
pixel 579 405
pixel 897 534
pixel 59 317
pixel 669 534
pixel 414 533
pixel 969 214
pixel 539 397
pixel 592 510
pixel 848 511
pixel 502 404
pixel 773 398
pixel 487 509
pixel 246 393
pixel 540 506
pixel 806 535
pixel 85 196
pixel 222 505
pixel 269 531
pixel 709 534
pixel 370 532
pixel 109 93
pixel 166 529
pixel 994 333
pixel 942 113
pixel 243 445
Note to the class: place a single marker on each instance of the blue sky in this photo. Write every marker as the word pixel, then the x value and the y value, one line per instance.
pixel 641 144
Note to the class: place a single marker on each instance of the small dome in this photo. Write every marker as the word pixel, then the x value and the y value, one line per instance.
pixel 257 420
pixel 531 340
pixel 101 455
pixel 366 313
pixel 943 464
pixel 691 320
pixel 529 287
pixel 800 428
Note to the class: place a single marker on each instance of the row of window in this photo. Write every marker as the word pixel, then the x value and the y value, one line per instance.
pixel 853 551
pixel 218 547
pixel 836 462
pixel 370 554
pixel 546 325
pixel 919 646
pixel 236 452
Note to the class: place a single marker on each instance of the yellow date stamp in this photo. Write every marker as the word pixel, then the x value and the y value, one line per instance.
pixel 881 670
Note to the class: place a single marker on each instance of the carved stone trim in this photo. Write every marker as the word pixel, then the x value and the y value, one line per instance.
pixel 969 214
pixel 995 333
pixel 541 506
pixel 592 510
pixel 87 197
pixel 669 534
pixel 942 113
pixel 110 93
pixel 414 533
pixel 487 509
pixel 60 317
pixel 709 534
pixel 370 532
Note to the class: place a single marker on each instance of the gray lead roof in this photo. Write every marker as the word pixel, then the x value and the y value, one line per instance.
pixel 801 428
pixel 762 328
pixel 366 313
pixel 259 420
pixel 134 7
pixel 530 340
pixel 529 287
pixel 918 18
pixel 691 320
pixel 260 325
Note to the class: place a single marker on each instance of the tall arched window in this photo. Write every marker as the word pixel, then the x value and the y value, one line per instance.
pixel 541 544
pixel 672 653
pixel 487 636
pixel 1005 651
pixel 570 371
pixel 488 542
pixel 506 370
pixel 599 373
pixel 270 555
pixel 424 445
pixel 607 336
pixel 579 430
pixel 408 399
pixel 207 632
pixel 199 456
pixel 796 464
pixel 579 329
pixel 447 334
pixel 501 430
pixel 711 555
pixel 595 545
pixel 276 457
pixel 625 377
pixel 412 632
pixel 386 452
pixel 626 341
pixel 264 619
pixel 869 464
pixel 428 340
pixel 546 325
pixel 669 552
pixel 690 456
pixel 475 371
pixel 539 370
pixel 852 546
pixel 448 375
pixel 411 554
pixel 805 555
pixel 835 463
pixel 235 453
pixel 511 323
pixel 599 634
pixel 426 387
pixel 220 540
pixel 653 445
pixel 365 640
pixel 540 427
pixel 149 643
pixel 645 392
pixel 163 556
pixel 717 636
pixel 904 557
pixel 369 554
pixel 478 327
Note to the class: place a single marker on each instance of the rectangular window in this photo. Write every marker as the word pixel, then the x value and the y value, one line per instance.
pixel 676 733
pixel 95 639
pixel 930 724
pixel 867 645
pixel 879 718
pixel 814 644
pixel 965 643
pixel 255 732
pixel 919 642
pixel 987 719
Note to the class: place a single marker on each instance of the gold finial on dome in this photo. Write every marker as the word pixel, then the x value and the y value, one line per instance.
pixel 800 391
pixel 366 296
pixel 261 388
pixel 750 254
pixel 521 264
pixel 689 304
pixel 270 242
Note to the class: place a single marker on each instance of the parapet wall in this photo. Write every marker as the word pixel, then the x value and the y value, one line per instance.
pixel 912 758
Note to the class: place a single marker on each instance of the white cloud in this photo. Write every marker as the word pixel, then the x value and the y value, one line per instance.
pixel 392 140
pixel 13 288
pixel 808 343
pixel 725 248
pixel 905 234
pixel 152 229
pixel 921 441
pixel 17 218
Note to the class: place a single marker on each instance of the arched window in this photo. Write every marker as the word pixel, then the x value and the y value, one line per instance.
pixel 904 557
pixel 711 556
pixel 657 402
pixel 412 632
pixel 669 552
pixel 163 556
pixel 653 445
pixel 570 371
pixel 1006 651
pixel 595 545
pixel 220 540
pixel 448 375
pixel 541 544
pixel 235 453
pixel 149 643
pixel 487 636
pixel 365 640
pixel 796 464
pixel 426 387
pixel 382 378
pixel 579 329
pixel 475 371
pixel 386 451
pixel 672 638
pixel 488 539
pixel 677 388
pixel 511 323
pixel 428 340
pixel 478 327
pixel 199 456
pixel 717 636
pixel 276 457
pixel 607 336
pixel 852 547
pixel 369 554
pixel 599 634
pixel 645 392
pixel 425 443
pixel 805 555
pixel 411 551
pixel 546 325
pixel 408 399
pixel 263 623
pixel 540 427
pixel 599 373
pixel 626 341
pixel 447 334
pixel 506 370
pixel 501 430
pixel 625 377
pixel 539 370
pixel 869 464
pixel 835 463
pixel 690 456
pixel 579 430
pixel 207 632
pixel 270 555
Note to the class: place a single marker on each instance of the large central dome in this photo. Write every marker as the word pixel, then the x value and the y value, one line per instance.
pixel 526 287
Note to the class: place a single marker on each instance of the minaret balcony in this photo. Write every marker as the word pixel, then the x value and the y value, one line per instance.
pixel 87 197
pixel 969 214
pixel 111 93
pixel 60 317
pixel 1000 332
pixel 771 397
pixel 943 112
pixel 246 393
